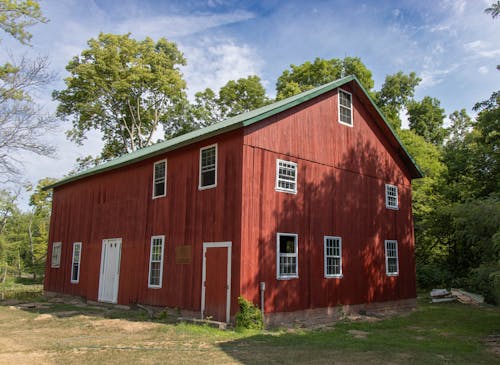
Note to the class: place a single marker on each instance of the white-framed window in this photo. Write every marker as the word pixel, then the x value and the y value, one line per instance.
pixel 156 261
pixel 160 179
pixel 287 256
pixel 75 264
pixel 391 257
pixel 333 257
pixel 286 176
pixel 208 167
pixel 391 196
pixel 56 254
pixel 345 107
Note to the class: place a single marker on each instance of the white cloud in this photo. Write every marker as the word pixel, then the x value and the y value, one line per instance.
pixel 483 70
pixel 172 26
pixel 212 62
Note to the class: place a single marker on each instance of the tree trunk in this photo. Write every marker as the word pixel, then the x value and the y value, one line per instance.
pixel 4 274
pixel 19 263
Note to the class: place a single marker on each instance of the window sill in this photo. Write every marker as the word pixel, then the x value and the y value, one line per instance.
pixel 392 274
pixel 346 124
pixel 207 187
pixel 154 287
pixel 392 208
pixel 287 277
pixel 159 196
pixel 334 276
pixel 286 191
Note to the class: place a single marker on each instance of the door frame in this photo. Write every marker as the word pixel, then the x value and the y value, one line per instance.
pixel 115 294
pixel 207 245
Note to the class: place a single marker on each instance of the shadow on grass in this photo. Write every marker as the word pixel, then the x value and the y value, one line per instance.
pixel 434 334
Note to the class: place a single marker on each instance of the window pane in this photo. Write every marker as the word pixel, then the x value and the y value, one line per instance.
pixel 287 244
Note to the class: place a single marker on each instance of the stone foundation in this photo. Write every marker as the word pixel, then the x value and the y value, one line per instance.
pixel 324 316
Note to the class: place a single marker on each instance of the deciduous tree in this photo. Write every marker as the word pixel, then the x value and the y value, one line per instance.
pixel 123 88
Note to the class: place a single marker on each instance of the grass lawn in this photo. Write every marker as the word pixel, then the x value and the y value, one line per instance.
pixel 76 333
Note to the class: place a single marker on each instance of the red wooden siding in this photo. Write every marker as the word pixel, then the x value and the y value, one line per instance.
pixel 118 204
pixel 342 172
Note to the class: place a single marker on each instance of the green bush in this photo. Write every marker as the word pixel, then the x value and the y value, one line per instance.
pixel 249 316
pixel 431 276
pixel 485 280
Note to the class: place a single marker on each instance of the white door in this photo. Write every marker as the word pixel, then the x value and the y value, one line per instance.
pixel 110 270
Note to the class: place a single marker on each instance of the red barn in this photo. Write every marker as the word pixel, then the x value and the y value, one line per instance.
pixel 304 204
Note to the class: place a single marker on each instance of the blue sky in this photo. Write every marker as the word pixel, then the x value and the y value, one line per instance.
pixel 451 44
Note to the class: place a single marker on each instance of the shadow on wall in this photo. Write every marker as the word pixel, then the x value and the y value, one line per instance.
pixel 347 201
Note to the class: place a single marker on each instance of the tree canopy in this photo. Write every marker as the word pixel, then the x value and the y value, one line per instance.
pixel 426 119
pixel 16 16
pixel 310 75
pixel 124 89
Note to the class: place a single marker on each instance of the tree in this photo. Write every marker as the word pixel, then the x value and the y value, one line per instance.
pixel 16 16
pixel 310 75
pixel 234 98
pixel 22 122
pixel 123 88
pixel 395 94
pixel 426 119
pixel 494 10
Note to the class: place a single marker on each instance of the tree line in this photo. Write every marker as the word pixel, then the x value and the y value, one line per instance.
pixel 128 89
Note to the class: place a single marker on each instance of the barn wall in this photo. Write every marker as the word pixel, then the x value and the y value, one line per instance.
pixel 342 172
pixel 118 204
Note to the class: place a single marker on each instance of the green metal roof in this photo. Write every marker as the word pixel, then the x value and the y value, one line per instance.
pixel 227 125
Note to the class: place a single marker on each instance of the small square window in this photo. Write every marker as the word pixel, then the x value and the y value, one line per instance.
pixel 208 167
pixel 287 256
pixel 286 176
pixel 56 254
pixel 333 257
pixel 160 179
pixel 345 107
pixel 391 257
pixel 391 196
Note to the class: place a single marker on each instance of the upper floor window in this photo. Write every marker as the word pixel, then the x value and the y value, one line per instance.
pixel 286 176
pixel 208 167
pixel 333 257
pixel 75 265
pixel 391 257
pixel 160 179
pixel 345 107
pixel 287 256
pixel 391 196
pixel 156 261
pixel 56 254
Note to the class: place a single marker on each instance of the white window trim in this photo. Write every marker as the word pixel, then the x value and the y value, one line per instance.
pixel 277 187
pixel 216 167
pixel 340 275
pixel 52 263
pixel 73 262
pixel 387 259
pixel 286 277
pixel 161 262
pixel 154 168
pixel 338 111
pixel 387 205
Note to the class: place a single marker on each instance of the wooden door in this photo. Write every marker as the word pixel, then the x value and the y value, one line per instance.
pixel 216 290
pixel 110 270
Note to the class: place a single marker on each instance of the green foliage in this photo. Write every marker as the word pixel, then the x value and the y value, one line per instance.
pixel 433 275
pixel 494 10
pixel 17 15
pixel 123 88
pixel 249 316
pixel 396 92
pixel 310 75
pixel 426 119
pixel 234 98
pixel 485 280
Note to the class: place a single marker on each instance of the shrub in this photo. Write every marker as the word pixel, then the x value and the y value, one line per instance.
pixel 249 316
pixel 431 276
pixel 485 280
